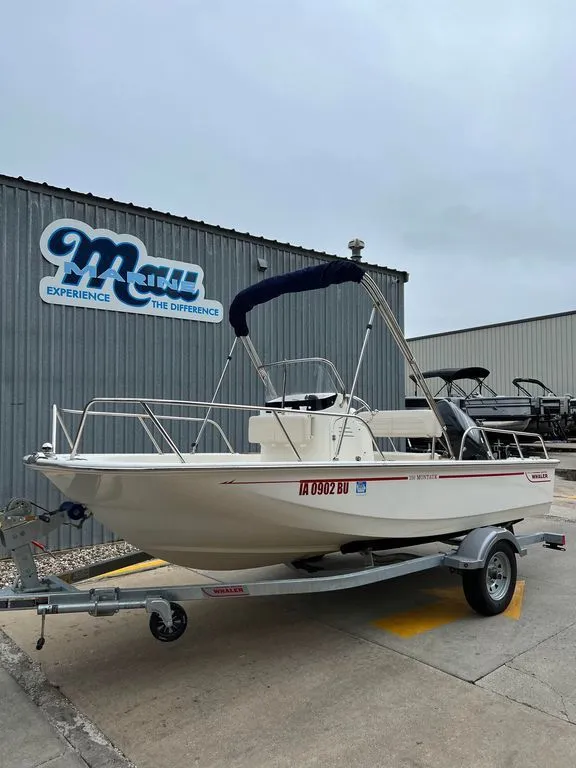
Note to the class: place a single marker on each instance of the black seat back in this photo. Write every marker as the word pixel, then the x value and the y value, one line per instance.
pixel 457 422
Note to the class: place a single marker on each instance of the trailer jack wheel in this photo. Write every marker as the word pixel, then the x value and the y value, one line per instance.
pixel 490 589
pixel 165 633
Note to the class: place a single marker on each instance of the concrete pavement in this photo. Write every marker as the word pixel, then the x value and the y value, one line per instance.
pixel 258 685
pixel 319 681
pixel 566 455
pixel 39 726
pixel 27 740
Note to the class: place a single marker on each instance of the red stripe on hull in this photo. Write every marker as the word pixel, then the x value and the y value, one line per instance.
pixel 371 479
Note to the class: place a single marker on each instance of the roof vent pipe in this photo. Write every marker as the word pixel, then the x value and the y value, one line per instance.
pixel 356 248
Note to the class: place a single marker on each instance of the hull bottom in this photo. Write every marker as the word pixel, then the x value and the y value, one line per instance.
pixel 411 533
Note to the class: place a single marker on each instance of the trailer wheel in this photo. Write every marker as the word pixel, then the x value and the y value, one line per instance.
pixel 490 589
pixel 169 634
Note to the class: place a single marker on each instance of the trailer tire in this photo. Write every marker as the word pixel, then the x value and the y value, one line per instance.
pixel 490 589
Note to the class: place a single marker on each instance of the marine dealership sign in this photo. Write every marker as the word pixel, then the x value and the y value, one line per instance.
pixel 100 269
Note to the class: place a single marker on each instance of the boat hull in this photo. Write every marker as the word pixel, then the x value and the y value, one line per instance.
pixel 247 516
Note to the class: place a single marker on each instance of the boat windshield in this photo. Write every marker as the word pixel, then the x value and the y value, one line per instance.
pixel 312 384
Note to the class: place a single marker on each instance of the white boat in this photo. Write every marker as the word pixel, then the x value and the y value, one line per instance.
pixel 328 473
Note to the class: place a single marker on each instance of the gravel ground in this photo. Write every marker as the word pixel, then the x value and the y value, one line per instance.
pixel 67 560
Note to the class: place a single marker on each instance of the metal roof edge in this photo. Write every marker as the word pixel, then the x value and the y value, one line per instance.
pixel 42 185
pixel 492 325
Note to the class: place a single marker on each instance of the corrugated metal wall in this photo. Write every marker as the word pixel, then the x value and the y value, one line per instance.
pixel 67 355
pixel 540 348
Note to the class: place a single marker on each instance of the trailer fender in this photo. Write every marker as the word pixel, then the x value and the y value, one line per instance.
pixel 473 550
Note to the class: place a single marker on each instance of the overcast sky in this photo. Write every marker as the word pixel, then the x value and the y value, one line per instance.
pixel 439 131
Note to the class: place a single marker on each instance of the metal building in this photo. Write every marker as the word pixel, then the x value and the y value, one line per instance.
pixel 537 347
pixel 67 337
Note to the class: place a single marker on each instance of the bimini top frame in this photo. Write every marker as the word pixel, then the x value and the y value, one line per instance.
pixel 315 278
pixel 520 381
pixel 452 375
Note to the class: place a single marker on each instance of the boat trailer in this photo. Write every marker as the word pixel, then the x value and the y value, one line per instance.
pixel 484 557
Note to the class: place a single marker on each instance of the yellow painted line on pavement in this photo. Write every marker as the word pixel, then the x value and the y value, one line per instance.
pixel 514 610
pixel 411 623
pixel 450 607
pixel 138 567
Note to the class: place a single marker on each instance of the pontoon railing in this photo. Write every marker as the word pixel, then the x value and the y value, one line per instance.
pixel 155 418
pixel 492 430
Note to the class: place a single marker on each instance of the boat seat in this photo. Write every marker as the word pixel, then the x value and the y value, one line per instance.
pixel 409 423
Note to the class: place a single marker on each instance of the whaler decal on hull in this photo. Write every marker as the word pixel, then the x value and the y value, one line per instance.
pixel 538 477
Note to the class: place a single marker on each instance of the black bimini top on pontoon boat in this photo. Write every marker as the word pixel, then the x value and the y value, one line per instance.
pixel 455 374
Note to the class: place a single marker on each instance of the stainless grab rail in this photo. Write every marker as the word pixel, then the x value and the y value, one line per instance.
pixel 141 417
pixel 145 403
pixel 148 414
pixel 492 430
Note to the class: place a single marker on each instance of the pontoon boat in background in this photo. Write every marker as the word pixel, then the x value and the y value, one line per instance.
pixel 547 414
pixel 558 410
pixel 328 474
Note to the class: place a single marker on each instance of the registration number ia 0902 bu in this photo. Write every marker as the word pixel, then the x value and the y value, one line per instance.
pixel 323 487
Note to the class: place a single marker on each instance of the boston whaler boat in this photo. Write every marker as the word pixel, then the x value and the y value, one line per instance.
pixel 321 481
pixel 327 491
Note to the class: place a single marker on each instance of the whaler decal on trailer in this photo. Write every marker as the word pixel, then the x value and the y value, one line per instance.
pixel 100 269
pixel 234 590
